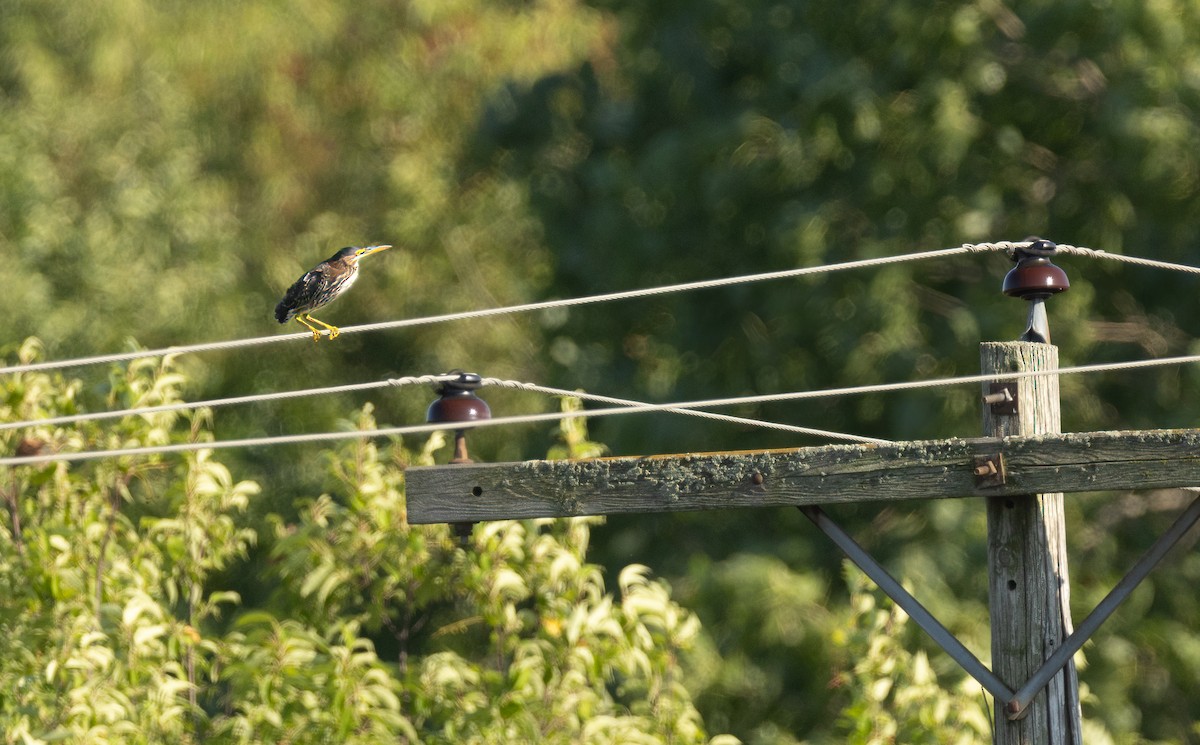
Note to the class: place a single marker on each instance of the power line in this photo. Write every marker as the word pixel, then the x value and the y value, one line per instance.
pixel 594 413
pixel 532 387
pixel 1138 261
pixel 940 382
pixel 688 411
pixel 411 380
pixel 523 308
pixel 250 442
pixel 1008 246
pixel 217 402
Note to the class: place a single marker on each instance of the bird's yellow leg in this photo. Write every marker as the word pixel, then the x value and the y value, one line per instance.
pixel 334 331
pixel 316 332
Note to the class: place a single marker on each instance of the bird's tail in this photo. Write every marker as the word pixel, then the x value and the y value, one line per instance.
pixel 283 313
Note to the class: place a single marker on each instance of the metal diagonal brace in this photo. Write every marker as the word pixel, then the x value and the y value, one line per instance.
pixel 1015 708
pixel 1019 701
pixel 903 598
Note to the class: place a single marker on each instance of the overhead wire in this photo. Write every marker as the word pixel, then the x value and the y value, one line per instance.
pixel 1095 253
pixel 217 402
pixel 593 413
pixel 1007 246
pixel 522 308
pixel 584 396
pixel 396 382
pixel 626 405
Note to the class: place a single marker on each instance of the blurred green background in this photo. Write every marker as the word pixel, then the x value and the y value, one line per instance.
pixel 168 168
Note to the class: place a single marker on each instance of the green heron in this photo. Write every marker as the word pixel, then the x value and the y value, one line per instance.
pixel 319 286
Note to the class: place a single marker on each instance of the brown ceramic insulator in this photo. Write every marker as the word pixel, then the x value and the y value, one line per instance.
pixel 1034 276
pixel 457 401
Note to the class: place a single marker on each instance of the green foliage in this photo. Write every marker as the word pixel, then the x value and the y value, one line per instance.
pixel 285 681
pixel 765 662
pixel 721 138
pixel 728 137
pixel 104 569
pixel 895 695
pixel 168 168
pixel 513 638
pixel 118 629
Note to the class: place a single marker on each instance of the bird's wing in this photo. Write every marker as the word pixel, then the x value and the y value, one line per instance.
pixel 295 300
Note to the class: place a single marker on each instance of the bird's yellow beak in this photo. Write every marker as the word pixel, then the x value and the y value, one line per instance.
pixel 368 250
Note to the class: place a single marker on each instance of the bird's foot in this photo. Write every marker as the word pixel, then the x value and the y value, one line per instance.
pixel 334 332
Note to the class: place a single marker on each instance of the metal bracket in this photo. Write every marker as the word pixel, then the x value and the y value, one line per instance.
pixel 1003 398
pixel 1016 704
pixel 903 598
pixel 1015 709
pixel 989 470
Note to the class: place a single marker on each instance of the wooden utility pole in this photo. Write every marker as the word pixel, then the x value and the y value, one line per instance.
pixel 1022 466
pixel 1023 477
pixel 1029 592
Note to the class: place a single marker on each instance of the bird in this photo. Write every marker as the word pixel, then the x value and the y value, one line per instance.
pixel 320 285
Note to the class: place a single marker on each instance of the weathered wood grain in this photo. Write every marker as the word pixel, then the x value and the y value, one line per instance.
pixel 935 469
pixel 1028 586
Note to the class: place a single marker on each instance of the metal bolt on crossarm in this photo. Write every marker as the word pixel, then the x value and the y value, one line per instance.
pixel 1035 279
pixel 457 402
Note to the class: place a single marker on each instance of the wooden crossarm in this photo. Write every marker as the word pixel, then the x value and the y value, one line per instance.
pixel 932 469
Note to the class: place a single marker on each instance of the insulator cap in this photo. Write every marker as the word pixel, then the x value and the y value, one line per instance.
pixel 1035 277
pixel 457 401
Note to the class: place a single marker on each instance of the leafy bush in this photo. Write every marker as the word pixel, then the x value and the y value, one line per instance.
pixel 118 628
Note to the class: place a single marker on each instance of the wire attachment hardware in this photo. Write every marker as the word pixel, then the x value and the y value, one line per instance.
pixel 1035 279
pixel 989 470
pixel 1002 397
pixel 457 402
